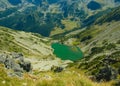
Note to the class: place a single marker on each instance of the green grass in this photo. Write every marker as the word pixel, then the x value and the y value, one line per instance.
pixel 7 42
pixel 72 77
pixel 69 25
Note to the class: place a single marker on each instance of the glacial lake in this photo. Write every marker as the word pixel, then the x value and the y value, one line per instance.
pixel 67 52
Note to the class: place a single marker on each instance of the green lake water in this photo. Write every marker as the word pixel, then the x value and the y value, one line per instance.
pixel 67 52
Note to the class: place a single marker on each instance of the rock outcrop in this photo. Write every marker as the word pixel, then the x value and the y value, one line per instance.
pixel 15 62
pixel 106 73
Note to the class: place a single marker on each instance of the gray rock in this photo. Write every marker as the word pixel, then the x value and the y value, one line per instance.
pixel 2 58
pixel 15 61
pixel 17 68
pixel 18 56
pixel 26 66
pixel 57 69
pixel 107 73
pixel 9 62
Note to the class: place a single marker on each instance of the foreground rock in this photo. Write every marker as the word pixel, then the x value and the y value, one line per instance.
pixel 15 62
pixel 106 73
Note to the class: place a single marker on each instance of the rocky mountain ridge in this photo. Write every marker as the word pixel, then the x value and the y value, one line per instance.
pixel 47 17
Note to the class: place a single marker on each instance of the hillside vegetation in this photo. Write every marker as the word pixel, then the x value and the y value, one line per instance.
pixel 30 44
pixel 19 42
pixel 27 59
pixel 46 17
pixel 109 17
pixel 65 78
pixel 100 43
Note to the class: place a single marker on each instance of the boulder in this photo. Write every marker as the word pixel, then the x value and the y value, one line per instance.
pixel 58 69
pixel 107 73
pixel 17 68
pixel 26 66
pixel 2 58
pixel 9 62
pixel 15 62
pixel 18 56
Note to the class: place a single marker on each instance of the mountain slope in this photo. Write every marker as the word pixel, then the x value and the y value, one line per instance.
pixel 45 17
pixel 100 43
pixel 48 79
pixel 109 17
pixel 27 43
pixel 99 40
pixel 37 47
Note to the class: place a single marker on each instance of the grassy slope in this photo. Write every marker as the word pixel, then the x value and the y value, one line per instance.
pixel 28 43
pixel 65 78
pixel 105 37
pixel 101 34
pixel 69 25
pixel 113 15
pixel 15 42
